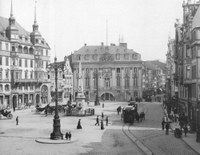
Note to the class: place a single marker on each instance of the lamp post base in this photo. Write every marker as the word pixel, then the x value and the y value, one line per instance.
pixel 198 136
pixel 56 134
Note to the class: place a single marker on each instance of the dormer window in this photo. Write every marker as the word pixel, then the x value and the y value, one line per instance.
pixel 26 39
pixel 37 41
pixel 42 42
pixel 13 48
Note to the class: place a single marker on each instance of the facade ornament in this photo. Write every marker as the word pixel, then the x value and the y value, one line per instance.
pixel 106 57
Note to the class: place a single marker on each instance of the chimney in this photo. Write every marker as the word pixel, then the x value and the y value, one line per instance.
pixel 101 43
pixel 85 44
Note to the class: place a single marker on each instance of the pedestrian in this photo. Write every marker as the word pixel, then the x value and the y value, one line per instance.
pixel 88 102
pixel 13 108
pixel 167 128
pixel 163 124
pixel 67 135
pixel 185 130
pixel 79 124
pixel 102 115
pixel 102 105
pixel 70 135
pixel 102 126
pixel 97 121
pixel 17 120
pixel 106 120
pixel 45 112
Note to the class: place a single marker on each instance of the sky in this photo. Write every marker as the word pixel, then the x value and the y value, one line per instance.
pixel 66 25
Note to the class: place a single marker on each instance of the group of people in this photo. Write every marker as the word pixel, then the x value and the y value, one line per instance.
pixel 102 117
pixel 183 124
pixel 68 135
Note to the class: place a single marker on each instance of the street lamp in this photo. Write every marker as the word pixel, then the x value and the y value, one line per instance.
pixel 198 126
pixel 96 75
pixel 56 134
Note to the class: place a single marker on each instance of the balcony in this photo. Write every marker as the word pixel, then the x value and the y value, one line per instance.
pixel 37 57
pixel 14 54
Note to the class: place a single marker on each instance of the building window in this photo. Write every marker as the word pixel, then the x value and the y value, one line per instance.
pixel 20 49
pixel 87 82
pixel 117 56
pixel 134 56
pixel 20 62
pixel 7 61
pixel 135 69
pixel 107 82
pixel 194 72
pixel 26 63
pixel 135 82
pixel 0 60
pixel 26 87
pixel 7 74
pixel 47 53
pixel 187 72
pixel 13 48
pixel 26 74
pixel 7 87
pixel 31 75
pixel 7 47
pixel 31 63
pixel 118 70
pixel 87 57
pixel 25 50
pixel 31 87
pixel 1 87
pixel 0 75
pixel 31 50
pixel 127 82
pixel 0 45
pixel 118 81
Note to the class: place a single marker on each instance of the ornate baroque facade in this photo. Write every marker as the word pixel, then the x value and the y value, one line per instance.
pixel 23 60
pixel 114 70
pixel 65 81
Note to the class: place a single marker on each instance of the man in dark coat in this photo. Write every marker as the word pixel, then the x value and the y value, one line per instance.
pixel 106 120
pixel 70 135
pixel 167 128
pixel 97 121
pixel 79 124
pixel 67 135
pixel 17 120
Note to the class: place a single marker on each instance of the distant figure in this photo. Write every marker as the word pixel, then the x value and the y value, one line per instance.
pixel 167 128
pixel 102 105
pixel 67 135
pixel 45 112
pixel 88 102
pixel 79 124
pixel 102 126
pixel 118 110
pixel 102 115
pixel 14 108
pixel 97 121
pixel 185 130
pixel 17 120
pixel 106 120
pixel 70 135
pixel 163 124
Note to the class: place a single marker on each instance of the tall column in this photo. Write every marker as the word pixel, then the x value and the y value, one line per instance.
pixel 113 78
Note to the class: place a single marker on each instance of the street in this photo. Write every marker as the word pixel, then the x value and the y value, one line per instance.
pixel 20 139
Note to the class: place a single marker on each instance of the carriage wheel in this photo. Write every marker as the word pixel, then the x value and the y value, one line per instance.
pixel 9 116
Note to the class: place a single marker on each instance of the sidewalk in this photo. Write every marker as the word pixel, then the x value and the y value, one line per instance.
pixel 190 140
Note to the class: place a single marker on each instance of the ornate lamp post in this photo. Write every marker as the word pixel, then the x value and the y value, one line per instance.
pixel 96 75
pixel 56 134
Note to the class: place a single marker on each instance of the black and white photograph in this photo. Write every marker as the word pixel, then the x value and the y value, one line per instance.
pixel 99 77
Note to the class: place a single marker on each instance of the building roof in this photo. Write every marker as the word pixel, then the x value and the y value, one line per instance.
pixel 155 64
pixel 4 23
pixel 196 19
pixel 101 49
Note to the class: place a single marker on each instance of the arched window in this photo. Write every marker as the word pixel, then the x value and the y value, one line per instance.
pixel 25 50
pixel 127 82
pixel 31 50
pixel 78 57
pixel 7 88
pixel 20 49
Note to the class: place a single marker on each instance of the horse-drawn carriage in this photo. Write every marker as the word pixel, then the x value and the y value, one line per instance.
pixel 6 113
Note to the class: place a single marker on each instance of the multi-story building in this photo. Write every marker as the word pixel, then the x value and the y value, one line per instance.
pixel 23 60
pixel 187 66
pixel 64 81
pixel 113 72
pixel 171 88
pixel 153 78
